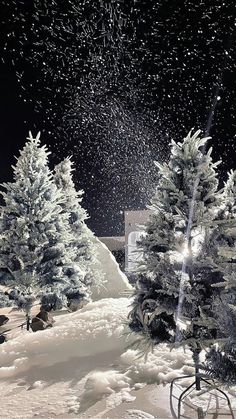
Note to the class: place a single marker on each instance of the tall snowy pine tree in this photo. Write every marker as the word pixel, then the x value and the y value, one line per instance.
pixel 34 230
pixel 83 242
pixel 174 300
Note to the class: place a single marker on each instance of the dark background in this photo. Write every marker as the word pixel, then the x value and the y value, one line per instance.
pixel 111 83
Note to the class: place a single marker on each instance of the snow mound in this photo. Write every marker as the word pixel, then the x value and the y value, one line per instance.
pixel 160 366
pixel 116 283
pixel 106 382
pixel 97 328
pixel 137 414
pixel 82 368
pixel 113 385
pixel 116 386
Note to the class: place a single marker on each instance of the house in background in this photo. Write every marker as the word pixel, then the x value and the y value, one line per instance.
pixel 116 244
pixel 125 247
pixel 134 223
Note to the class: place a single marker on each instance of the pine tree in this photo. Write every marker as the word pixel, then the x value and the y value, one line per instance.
pixel 174 300
pixel 223 241
pixel 83 242
pixel 34 230
pixel 222 360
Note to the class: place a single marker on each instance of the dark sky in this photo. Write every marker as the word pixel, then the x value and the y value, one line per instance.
pixel 111 83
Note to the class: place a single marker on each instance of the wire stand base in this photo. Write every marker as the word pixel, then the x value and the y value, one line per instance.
pixel 199 378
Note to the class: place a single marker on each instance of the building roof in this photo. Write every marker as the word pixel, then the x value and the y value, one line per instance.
pixel 113 243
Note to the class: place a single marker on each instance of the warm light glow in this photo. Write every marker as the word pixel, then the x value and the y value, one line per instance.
pixel 185 251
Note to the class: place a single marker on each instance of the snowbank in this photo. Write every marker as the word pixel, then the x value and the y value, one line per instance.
pixel 97 328
pixel 116 283
pixel 82 368
pixel 160 366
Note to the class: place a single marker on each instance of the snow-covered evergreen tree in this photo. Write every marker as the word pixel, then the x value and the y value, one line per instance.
pixel 222 360
pixel 83 242
pixel 223 240
pixel 174 299
pixel 34 230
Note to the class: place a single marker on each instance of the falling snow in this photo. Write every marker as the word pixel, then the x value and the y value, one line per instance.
pixel 111 82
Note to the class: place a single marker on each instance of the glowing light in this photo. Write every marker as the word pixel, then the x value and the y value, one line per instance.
pixel 185 251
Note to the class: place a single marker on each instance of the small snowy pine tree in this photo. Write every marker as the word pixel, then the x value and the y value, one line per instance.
pixel 34 231
pixel 83 242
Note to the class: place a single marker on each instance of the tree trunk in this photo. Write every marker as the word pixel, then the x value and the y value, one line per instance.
pixel 28 318
pixel 196 353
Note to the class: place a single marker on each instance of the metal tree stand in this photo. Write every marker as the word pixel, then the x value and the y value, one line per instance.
pixel 196 385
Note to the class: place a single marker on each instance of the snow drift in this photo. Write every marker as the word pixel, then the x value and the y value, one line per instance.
pixel 83 367
pixel 97 328
pixel 116 283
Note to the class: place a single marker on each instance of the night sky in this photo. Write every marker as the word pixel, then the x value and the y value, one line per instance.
pixel 111 83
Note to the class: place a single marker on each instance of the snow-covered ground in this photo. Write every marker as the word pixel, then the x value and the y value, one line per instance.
pixel 83 368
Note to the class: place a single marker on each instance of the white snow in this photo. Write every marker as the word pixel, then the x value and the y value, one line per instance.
pixel 137 414
pixel 116 283
pixel 97 328
pixel 83 368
